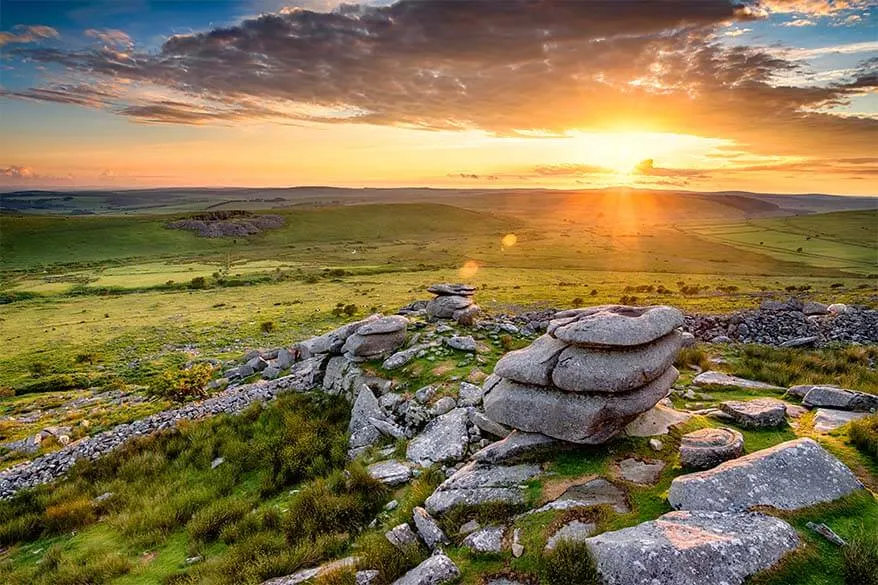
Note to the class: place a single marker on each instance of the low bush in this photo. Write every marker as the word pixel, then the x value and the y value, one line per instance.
pixel 56 383
pixel 864 435
pixel 861 559
pixel 692 356
pixel 267 326
pixel 207 523
pixel 181 385
pixel 570 563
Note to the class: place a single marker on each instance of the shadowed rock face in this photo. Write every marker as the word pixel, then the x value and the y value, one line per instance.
pixel 789 476
pixel 692 548
pixel 578 418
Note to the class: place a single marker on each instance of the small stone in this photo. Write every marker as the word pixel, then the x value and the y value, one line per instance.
pixel 713 378
pixel 462 343
pixel 826 419
pixel 485 540
pixel 656 445
pixel 468 527
pixel 436 570
pixel 428 528
pixel 391 505
pixel 366 577
pixel 470 394
pixel 443 405
pixel 217 462
pixel 658 420
pixel 706 448
pixel 402 536
pixel 594 492
pixel 517 547
pixel 390 473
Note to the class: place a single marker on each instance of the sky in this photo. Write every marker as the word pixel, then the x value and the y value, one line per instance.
pixel 710 95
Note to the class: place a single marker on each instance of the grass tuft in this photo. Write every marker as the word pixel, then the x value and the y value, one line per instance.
pixel 861 558
pixel 570 563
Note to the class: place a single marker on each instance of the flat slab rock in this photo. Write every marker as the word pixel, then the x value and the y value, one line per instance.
pixel 760 413
pixel 840 399
pixel 435 570
pixel 692 548
pixel 641 472
pixel 615 325
pixel 788 476
pixel 827 419
pixel 518 446
pixel 473 484
pixel 485 540
pixel 447 288
pixel 595 492
pixel 714 378
pixel 445 438
pixel 390 473
pixel 658 420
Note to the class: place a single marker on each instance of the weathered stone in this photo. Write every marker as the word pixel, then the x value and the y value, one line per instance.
pixel 332 341
pixel 826 419
pixel 362 432
pixel 373 346
pixel 788 476
pixel 445 438
pixel 468 527
pixel 814 308
pixel 807 341
pixel 383 325
pixel 443 405
pixel 474 484
pixel 428 528
pixel 578 418
pixel 658 420
pixel 402 536
pixel 385 427
pixel 470 394
pixel 401 358
pixel 485 540
pixel 390 473
pixel 692 548
pixel 687 339
pixel 616 325
pixel 466 316
pixel 759 413
pixel 533 364
pixel 706 448
pixel 436 570
pixel 366 576
pixel 837 308
pixel 574 531
pixel 713 378
pixel 518 446
pixel 840 399
pixel 304 575
pixel 642 472
pixel 486 425
pixel 451 289
pixel 594 492
pixel 461 343
pixel 444 307
pixel 581 369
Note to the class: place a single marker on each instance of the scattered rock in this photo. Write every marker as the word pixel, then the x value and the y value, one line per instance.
pixel 713 378
pixel 760 413
pixel 470 394
pixel 641 472
pixel 488 426
pixel 429 529
pixel 443 405
pixel 706 448
pixel 808 341
pixel 390 473
pixel 485 540
pixel 517 547
pixel 826 419
pixel 594 492
pixel 362 432
pixel 462 343
pixel 575 531
pixel 366 577
pixel 788 476
pixel 474 484
pixel 656 445
pixel 401 358
pixel 402 536
pixel 435 570
pixel 692 548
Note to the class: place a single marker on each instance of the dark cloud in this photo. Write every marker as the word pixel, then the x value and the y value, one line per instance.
pixel 503 66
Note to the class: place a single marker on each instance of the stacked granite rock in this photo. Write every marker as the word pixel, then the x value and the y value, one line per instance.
pixel 594 371
pixel 453 301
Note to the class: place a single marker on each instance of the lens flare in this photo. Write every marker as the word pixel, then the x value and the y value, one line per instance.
pixel 509 240
pixel 469 269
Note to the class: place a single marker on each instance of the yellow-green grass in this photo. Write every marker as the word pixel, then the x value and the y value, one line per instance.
pixel 846 240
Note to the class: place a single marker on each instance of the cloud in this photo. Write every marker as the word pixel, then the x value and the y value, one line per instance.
pixel 799 22
pixel 27 34
pixel 843 49
pixel 647 168
pixel 510 67
pixel 17 172
pixel 111 37
pixel 813 7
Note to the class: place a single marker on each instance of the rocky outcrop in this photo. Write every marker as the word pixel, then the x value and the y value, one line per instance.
pixel 788 476
pixel 376 339
pixel 706 448
pixel 453 301
pixel 692 548
pixel 444 439
pixel 595 371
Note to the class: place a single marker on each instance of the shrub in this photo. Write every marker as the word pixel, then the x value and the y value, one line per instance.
pixel 20 528
pixel 69 515
pixel 506 342
pixel 570 563
pixel 341 576
pixel 577 302
pixel 181 385
pixel 864 435
pixel 594 292
pixel 198 282
pixel 88 357
pixel 692 356
pixel 266 326
pixel 56 383
pixel 861 559
pixel 209 521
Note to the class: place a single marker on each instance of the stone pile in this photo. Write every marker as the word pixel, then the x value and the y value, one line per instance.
pixel 594 371
pixel 453 301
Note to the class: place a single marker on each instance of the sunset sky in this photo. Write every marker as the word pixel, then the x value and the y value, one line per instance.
pixel 759 95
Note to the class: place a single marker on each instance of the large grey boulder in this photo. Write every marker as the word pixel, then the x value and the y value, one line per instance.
pixel 373 346
pixel 692 548
pixel 435 570
pixel 401 358
pixel 578 418
pixel 445 438
pixel 532 364
pixel 390 473
pixel 462 343
pixel 470 394
pixel 402 536
pixel 760 413
pixel 332 341
pixel 616 325
pixel 383 325
pixel 788 476
pixel 581 369
pixel 474 484
pixel 706 448
pixel 840 399
pixel 827 419
pixel 342 376
pixel 720 379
